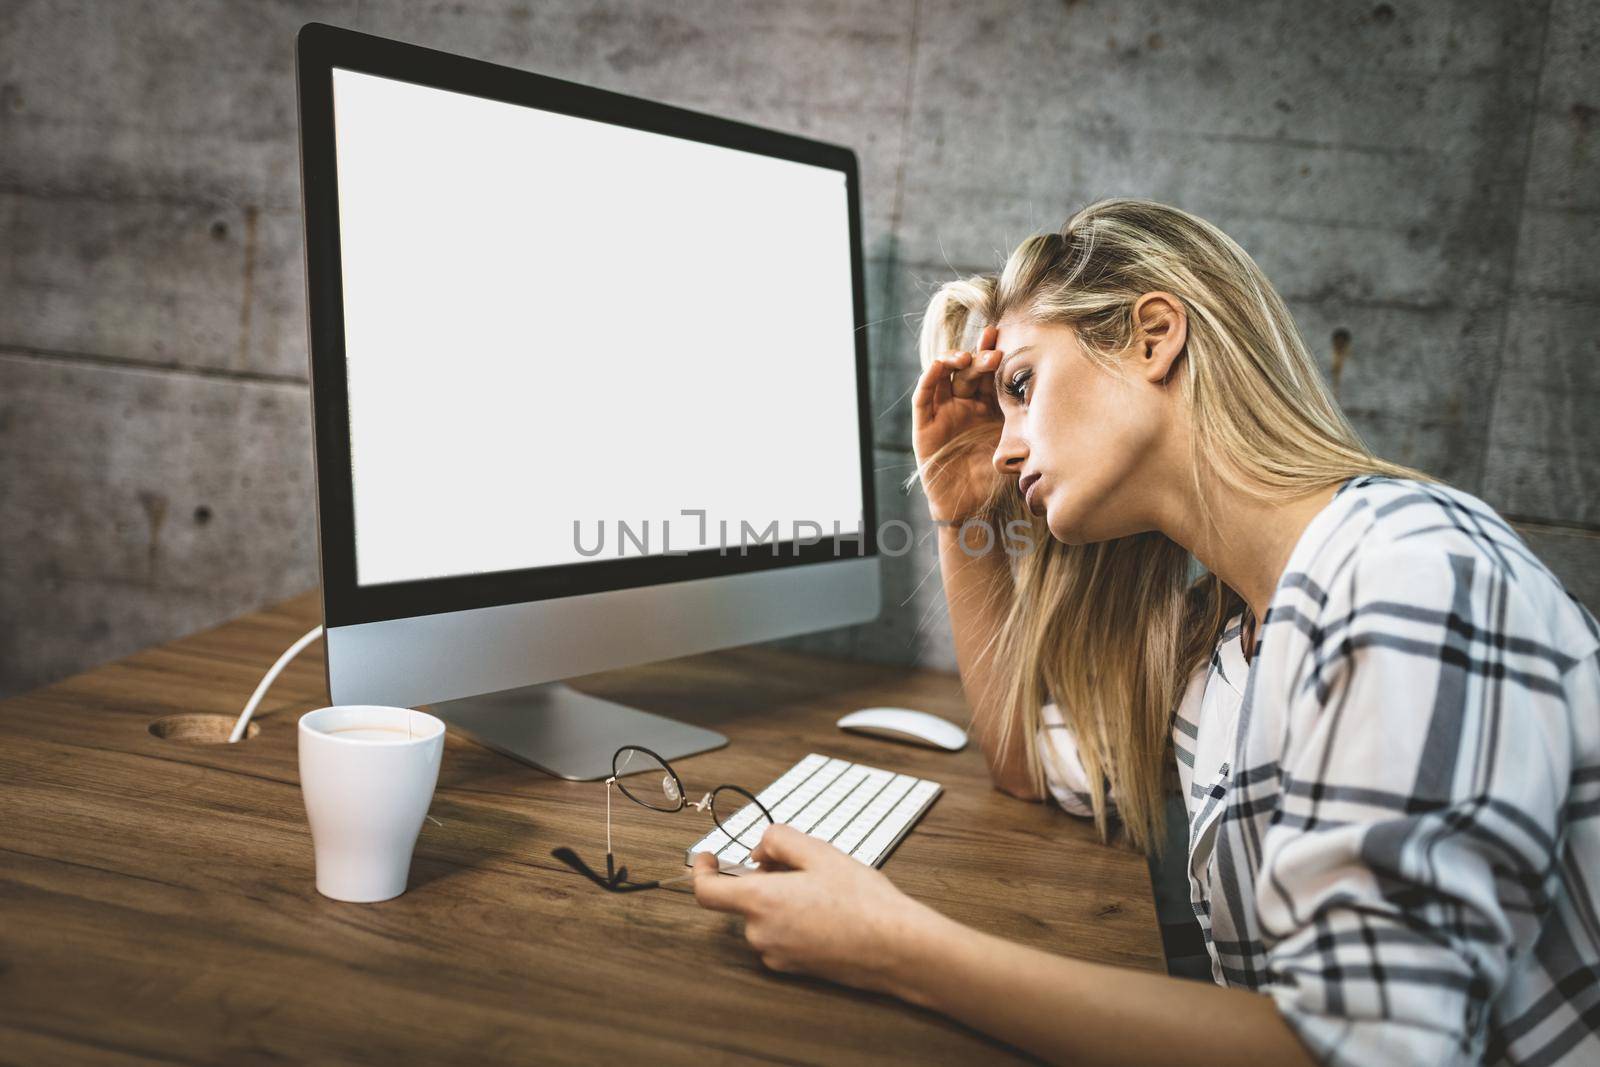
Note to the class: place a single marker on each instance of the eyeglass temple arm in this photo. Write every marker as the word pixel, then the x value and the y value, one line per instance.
pixel 609 783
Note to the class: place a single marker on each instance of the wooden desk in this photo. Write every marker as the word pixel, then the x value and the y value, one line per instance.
pixel 159 903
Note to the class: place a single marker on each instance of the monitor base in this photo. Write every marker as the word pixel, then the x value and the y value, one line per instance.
pixel 566 733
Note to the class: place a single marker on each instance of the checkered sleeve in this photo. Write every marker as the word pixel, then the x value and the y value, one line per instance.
pixel 1425 758
pixel 1064 775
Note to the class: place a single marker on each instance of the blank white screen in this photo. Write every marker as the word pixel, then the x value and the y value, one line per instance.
pixel 551 319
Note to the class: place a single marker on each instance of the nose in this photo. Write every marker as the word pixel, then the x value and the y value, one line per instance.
pixel 1012 452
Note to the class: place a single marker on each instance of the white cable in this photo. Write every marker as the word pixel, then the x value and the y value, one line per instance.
pixel 266 682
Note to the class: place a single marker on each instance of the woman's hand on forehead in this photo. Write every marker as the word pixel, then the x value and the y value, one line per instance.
pixel 975 373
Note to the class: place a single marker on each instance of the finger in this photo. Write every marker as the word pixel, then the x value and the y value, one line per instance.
pixel 711 890
pixel 792 848
pixel 968 381
pixel 767 862
pixel 960 365
pixel 932 389
pixel 922 395
pixel 941 388
pixel 774 962
pixel 991 366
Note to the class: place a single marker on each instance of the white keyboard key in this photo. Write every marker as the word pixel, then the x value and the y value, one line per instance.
pixel 795 802
pixel 847 809
pixel 747 817
pixel 828 799
pixel 873 849
pixel 711 842
pixel 862 810
pixel 791 778
pixel 880 807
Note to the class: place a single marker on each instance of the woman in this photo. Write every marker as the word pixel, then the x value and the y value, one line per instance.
pixel 1383 712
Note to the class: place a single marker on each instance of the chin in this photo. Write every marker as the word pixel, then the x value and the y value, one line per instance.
pixel 1065 526
pixel 1071 527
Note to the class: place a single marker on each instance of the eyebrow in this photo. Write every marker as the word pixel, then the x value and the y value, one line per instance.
pixel 1003 362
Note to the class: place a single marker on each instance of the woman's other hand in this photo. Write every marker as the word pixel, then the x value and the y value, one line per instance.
pixel 814 910
pixel 956 394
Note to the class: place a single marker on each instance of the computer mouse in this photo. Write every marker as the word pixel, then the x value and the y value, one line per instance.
pixel 904 724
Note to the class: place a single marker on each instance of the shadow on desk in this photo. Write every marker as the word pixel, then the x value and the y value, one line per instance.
pixel 160 900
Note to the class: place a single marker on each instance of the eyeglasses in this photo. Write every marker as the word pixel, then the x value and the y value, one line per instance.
pixel 735 811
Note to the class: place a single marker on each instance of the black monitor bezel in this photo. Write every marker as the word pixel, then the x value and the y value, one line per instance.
pixel 319 49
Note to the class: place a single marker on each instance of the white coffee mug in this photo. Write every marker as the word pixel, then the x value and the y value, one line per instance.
pixel 367 774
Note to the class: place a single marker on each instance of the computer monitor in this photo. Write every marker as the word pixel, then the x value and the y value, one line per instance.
pixel 589 386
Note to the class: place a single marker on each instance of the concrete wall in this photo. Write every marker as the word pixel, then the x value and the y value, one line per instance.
pixel 1421 180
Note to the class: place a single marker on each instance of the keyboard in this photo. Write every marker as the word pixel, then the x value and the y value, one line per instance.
pixel 864 811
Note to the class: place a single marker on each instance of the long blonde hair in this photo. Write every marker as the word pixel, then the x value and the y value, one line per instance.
pixel 1111 631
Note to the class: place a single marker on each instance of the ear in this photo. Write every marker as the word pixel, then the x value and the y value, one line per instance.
pixel 1160 330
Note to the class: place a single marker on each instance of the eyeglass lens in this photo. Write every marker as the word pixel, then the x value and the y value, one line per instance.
pixel 738 815
pixel 648 781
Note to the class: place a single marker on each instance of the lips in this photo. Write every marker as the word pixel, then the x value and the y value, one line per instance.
pixel 1026 485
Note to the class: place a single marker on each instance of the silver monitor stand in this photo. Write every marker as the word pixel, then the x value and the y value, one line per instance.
pixel 473 666
pixel 571 735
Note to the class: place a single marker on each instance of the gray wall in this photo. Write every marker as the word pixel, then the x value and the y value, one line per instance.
pixel 1420 178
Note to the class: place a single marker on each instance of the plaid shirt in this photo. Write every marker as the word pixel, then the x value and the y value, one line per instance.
pixel 1395 806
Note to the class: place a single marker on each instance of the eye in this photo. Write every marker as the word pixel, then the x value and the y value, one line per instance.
pixel 1016 386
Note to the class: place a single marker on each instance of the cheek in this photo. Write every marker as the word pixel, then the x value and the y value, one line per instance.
pixel 1055 421
pixel 1089 428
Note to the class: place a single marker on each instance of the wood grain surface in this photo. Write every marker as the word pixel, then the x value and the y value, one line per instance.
pixel 158 897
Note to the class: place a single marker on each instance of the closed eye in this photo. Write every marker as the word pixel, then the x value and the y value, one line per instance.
pixel 1016 386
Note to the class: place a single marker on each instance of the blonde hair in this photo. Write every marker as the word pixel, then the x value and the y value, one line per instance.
pixel 1111 631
